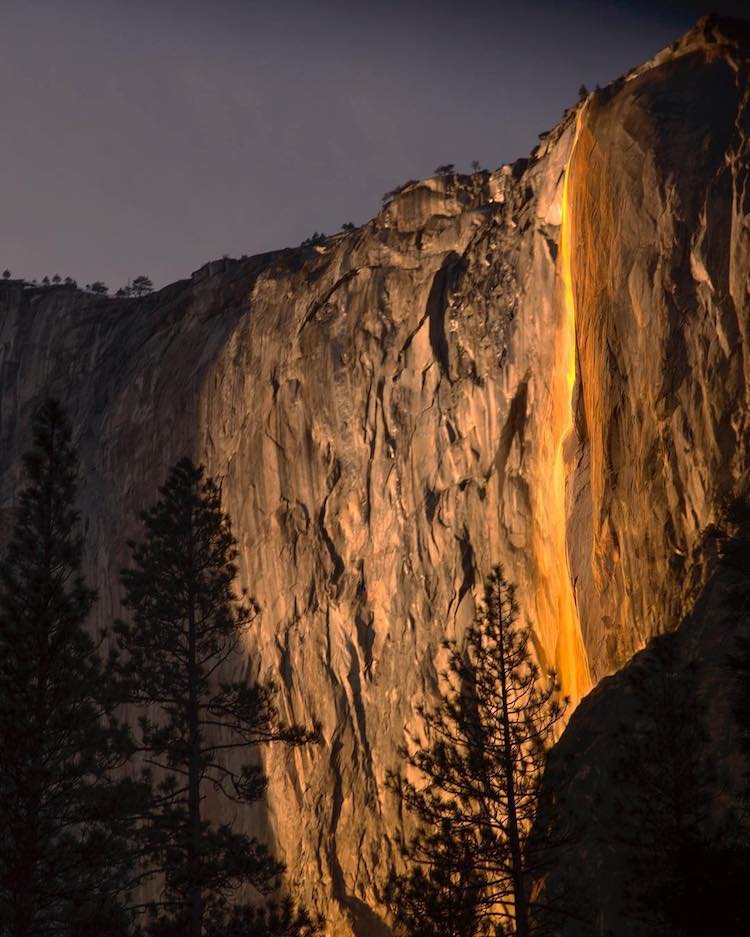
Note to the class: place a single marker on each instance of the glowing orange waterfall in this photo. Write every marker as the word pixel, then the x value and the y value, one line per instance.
pixel 571 661
pixel 556 607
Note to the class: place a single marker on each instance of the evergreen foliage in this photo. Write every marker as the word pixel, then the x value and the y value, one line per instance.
pixel 473 856
pixel 275 919
pixel 141 285
pixel 182 639
pixel 64 827
pixel 442 896
pixel 317 237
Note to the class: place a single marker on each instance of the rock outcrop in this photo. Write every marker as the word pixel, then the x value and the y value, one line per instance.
pixel 392 411
pixel 659 187
pixel 657 735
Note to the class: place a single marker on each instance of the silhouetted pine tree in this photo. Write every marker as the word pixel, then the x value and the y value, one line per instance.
pixel 198 728
pixel 141 285
pixel 473 857
pixel 64 826
pixel 272 919
pixel 441 897
pixel 276 919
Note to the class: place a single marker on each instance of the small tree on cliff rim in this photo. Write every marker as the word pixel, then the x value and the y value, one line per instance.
pixel 473 856
pixel 64 828
pixel 185 629
pixel 141 286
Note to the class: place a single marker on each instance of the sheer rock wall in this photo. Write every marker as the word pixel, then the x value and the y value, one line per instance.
pixel 661 260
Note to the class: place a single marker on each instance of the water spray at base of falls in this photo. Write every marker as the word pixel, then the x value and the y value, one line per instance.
pixel 557 600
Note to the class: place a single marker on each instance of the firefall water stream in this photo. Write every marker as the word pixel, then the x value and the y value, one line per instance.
pixel 571 660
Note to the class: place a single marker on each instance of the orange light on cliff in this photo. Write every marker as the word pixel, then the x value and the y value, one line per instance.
pixel 570 658
pixel 566 272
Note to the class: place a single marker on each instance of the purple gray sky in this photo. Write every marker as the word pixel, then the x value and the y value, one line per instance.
pixel 148 136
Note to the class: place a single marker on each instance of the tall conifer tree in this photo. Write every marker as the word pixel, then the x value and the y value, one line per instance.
pixel 63 818
pixel 198 727
pixel 473 857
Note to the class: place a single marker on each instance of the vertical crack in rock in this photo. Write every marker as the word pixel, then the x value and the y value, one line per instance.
pixel 436 308
pixel 514 429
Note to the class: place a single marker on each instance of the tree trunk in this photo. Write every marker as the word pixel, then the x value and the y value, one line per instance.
pixel 520 899
pixel 23 900
pixel 25 878
pixel 194 794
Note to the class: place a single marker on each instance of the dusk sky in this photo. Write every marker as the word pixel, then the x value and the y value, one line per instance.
pixel 150 136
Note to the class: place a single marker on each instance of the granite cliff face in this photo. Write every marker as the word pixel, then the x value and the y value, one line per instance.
pixel 533 367
pixel 659 185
